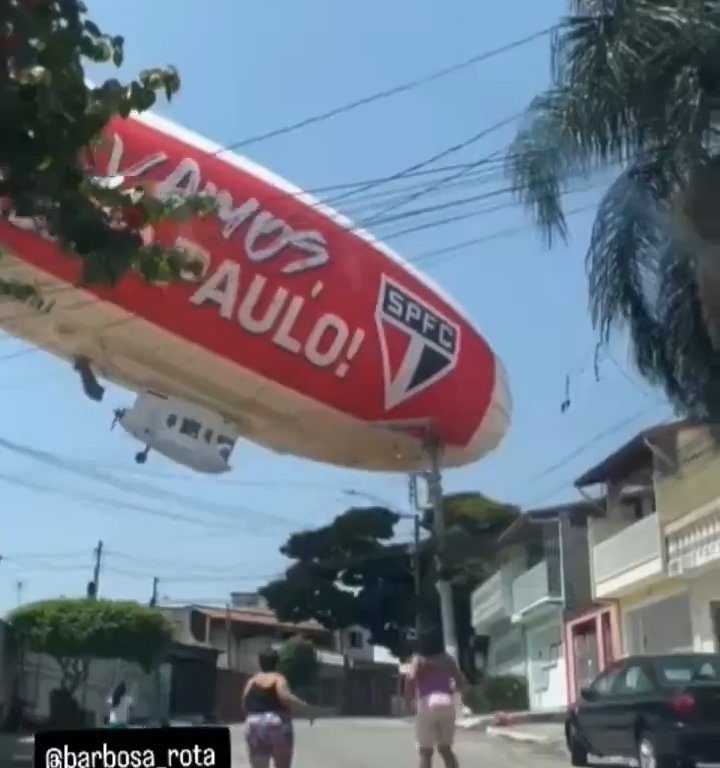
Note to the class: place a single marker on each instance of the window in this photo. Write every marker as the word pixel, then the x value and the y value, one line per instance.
pixel 171 420
pixel 227 446
pixel 356 639
pixel 604 684
pixel 190 428
pixel 679 670
pixel 634 680
pixel 208 434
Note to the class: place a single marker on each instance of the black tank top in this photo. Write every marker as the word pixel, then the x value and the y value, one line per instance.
pixel 259 700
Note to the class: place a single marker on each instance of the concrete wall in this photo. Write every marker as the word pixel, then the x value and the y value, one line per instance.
pixel 576 564
pixel 7 672
pixel 704 590
pixel 698 480
pixel 40 675
pixel 657 621
pixel 547 671
pixel 507 654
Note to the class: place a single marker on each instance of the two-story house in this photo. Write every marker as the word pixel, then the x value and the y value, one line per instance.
pixel 627 542
pixel 656 550
pixel 542 573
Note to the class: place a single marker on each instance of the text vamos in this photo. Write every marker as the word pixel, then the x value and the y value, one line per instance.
pixel 266 236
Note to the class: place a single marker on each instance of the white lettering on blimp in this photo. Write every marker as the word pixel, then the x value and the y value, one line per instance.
pixel 186 180
pixel 424 321
pixel 329 341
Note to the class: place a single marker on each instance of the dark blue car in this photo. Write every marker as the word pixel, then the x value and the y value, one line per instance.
pixel 661 711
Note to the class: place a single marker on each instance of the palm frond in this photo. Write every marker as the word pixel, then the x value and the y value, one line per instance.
pixel 627 235
pixel 628 80
pixel 690 366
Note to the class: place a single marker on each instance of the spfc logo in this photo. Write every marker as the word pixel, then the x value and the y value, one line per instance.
pixel 419 345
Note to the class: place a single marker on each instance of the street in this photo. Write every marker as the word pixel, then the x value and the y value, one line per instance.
pixel 355 743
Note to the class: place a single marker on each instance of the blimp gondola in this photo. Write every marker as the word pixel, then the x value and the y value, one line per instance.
pixel 301 332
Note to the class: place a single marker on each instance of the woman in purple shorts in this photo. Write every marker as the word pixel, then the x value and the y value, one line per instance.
pixel 269 705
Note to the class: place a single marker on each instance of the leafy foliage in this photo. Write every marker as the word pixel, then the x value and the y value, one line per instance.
pixel 501 693
pixel 635 88
pixel 51 124
pixel 351 572
pixel 299 662
pixel 73 631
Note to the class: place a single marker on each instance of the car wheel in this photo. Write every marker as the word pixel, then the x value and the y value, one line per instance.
pixel 578 752
pixel 648 756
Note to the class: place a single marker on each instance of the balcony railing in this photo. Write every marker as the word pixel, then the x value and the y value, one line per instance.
pixel 534 588
pixel 491 601
pixel 631 556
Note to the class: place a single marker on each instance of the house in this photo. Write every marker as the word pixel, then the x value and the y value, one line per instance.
pixel 354 676
pixel 656 546
pixel 542 574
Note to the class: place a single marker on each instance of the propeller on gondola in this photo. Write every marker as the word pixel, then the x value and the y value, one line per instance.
pixel 119 413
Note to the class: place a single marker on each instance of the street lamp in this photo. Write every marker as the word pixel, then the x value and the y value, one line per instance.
pixel 415 517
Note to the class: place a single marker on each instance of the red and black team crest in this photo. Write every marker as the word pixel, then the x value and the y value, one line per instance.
pixel 419 345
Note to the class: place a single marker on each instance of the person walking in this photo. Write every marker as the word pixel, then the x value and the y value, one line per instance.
pixel 434 679
pixel 119 702
pixel 269 706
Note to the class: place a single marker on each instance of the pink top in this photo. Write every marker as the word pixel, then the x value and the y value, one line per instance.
pixel 434 681
pixel 433 678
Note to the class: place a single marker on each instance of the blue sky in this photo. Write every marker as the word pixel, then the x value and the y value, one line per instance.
pixel 248 68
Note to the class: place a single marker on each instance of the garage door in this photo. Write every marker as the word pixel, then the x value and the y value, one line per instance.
pixel 661 627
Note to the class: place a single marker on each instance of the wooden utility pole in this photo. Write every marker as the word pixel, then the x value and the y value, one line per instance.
pixel 96 572
pixel 154 598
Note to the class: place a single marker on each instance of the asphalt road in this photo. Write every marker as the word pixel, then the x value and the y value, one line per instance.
pixel 378 743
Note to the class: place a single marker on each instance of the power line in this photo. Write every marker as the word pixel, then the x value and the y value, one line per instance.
pixel 451 150
pixel 429 258
pixel 581 449
pixel 389 92
pixel 136 487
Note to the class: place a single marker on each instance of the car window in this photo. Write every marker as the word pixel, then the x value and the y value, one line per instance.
pixel 679 670
pixel 603 685
pixel 633 680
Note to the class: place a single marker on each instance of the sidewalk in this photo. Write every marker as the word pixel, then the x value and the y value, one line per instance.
pixel 543 729
pixel 550 735
pixel 511 719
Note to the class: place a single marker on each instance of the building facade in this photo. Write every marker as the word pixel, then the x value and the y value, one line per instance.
pixel 655 542
pixel 542 572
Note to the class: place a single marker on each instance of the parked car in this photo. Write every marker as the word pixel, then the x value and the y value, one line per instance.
pixel 663 711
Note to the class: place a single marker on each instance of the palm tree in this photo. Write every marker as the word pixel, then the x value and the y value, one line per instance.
pixel 636 88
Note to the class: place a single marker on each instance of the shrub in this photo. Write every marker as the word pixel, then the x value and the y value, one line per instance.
pixel 508 693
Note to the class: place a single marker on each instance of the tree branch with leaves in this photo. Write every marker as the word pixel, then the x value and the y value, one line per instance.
pixel 52 122
pixel 75 631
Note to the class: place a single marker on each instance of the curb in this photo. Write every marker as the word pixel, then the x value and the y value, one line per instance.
pixel 542 743
pixel 521 736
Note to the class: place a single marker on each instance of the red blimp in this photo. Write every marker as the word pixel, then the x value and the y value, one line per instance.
pixel 301 333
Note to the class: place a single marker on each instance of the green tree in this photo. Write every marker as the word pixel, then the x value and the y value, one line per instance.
pixel 75 631
pixel 299 662
pixel 352 572
pixel 636 89
pixel 51 124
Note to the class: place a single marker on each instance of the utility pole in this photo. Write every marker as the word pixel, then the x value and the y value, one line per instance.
pixel 96 572
pixel 19 590
pixel 417 574
pixel 447 610
pixel 153 599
